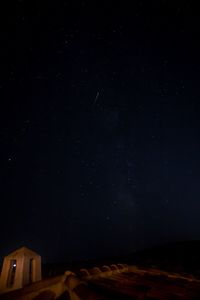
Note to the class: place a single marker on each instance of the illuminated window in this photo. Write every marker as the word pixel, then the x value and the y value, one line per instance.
pixel 12 272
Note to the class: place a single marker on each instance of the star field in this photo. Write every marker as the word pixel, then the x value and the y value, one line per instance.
pixel 99 127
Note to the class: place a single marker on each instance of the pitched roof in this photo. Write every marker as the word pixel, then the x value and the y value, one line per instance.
pixel 23 251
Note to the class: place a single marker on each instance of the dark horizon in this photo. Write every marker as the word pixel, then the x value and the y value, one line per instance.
pixel 99 127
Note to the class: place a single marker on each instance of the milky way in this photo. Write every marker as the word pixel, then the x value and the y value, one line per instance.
pixel 99 128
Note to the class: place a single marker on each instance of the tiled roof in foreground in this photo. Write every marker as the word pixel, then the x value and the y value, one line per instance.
pixel 112 282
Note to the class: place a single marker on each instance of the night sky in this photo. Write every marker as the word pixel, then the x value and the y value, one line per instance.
pixel 99 127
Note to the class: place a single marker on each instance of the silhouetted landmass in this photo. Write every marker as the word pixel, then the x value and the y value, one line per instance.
pixel 181 257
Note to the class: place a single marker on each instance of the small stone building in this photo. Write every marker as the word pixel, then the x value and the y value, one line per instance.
pixel 20 268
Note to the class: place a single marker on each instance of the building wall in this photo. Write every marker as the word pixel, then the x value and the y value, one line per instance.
pixel 18 273
pixel 22 273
